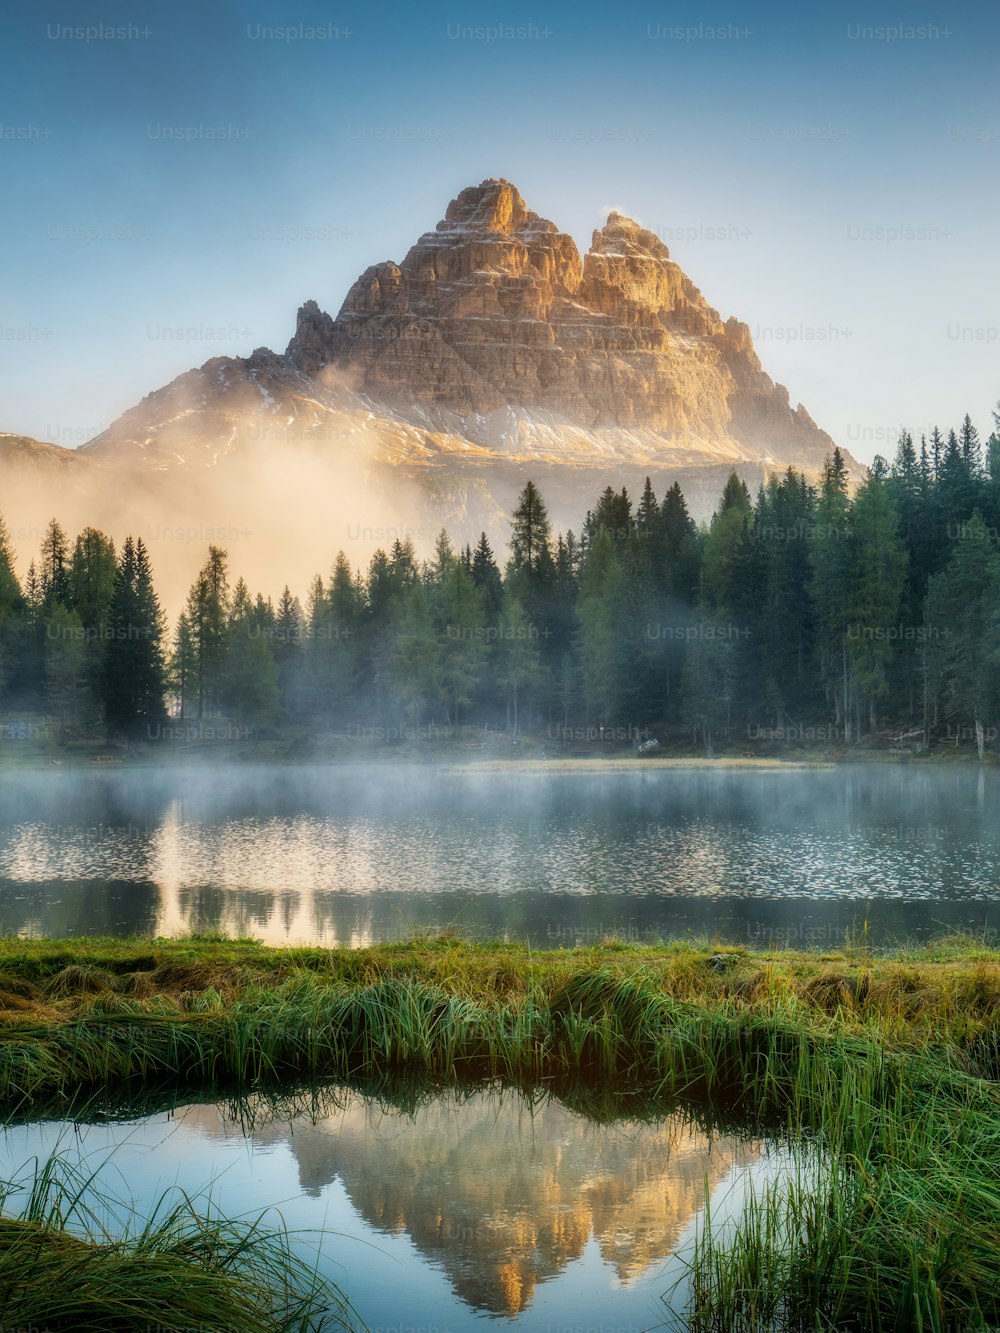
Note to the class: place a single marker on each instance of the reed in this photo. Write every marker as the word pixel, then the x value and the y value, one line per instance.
pixel 62 1269
pixel 885 1067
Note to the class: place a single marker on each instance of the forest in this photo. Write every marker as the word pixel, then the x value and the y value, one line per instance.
pixel 807 613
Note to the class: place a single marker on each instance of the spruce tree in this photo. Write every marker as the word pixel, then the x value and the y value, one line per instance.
pixel 830 558
pixel 531 535
pixel 13 616
pixel 134 668
pixel 207 612
pixel 486 577
pixel 518 668
pixel 878 578
pixel 964 630
pixel 53 569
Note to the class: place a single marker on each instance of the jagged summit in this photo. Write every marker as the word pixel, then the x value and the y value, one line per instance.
pixel 624 234
pixel 491 206
pixel 493 349
pixel 495 312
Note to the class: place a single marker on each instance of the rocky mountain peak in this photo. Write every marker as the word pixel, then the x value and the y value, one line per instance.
pixel 492 206
pixel 623 235
pixel 494 313
pixel 490 352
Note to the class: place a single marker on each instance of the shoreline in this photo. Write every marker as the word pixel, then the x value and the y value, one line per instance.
pixel 890 1062
pixel 443 760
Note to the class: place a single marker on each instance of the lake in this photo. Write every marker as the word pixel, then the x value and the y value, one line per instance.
pixel 474 1207
pixel 352 855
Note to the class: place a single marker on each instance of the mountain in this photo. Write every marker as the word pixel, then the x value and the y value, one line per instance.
pixel 492 352
pixel 499 1194
pixel 495 329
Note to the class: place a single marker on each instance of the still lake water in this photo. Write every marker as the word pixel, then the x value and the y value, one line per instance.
pixel 471 1211
pixel 341 855
pixel 478 1210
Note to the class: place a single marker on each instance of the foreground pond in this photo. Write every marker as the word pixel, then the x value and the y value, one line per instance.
pixel 352 855
pixel 471 1207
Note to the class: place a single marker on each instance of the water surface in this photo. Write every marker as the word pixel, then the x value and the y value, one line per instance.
pixel 352 855
pixel 473 1208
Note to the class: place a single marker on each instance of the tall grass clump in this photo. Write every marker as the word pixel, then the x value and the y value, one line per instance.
pixel 886 1066
pixel 900 1228
pixel 61 1269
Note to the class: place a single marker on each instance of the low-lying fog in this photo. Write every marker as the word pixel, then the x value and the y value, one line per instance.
pixel 355 854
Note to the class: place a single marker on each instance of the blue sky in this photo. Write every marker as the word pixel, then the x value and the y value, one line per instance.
pixel 175 191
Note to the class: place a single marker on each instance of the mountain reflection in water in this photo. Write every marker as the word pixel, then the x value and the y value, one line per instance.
pixel 498 1196
pixel 503 1196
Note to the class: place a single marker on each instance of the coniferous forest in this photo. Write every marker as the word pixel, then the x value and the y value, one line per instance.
pixel 805 613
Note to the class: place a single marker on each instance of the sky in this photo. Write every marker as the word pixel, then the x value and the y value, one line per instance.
pixel 180 175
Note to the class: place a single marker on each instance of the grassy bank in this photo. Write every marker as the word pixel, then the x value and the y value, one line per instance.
pixel 505 1007
pixel 887 1064
pixel 61 1269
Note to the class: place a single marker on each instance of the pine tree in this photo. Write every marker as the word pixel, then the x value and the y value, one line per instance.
pixel 289 649
pixel 724 535
pixel 486 577
pixel 956 488
pixel 963 599
pixel 135 671
pixel 518 659
pixel 250 685
pixel 936 452
pixel 65 662
pixel 613 513
pixel 830 557
pixel 603 649
pixel 531 536
pixel 461 629
pixel 207 612
pixel 181 667
pixel 54 567
pixel 682 554
pixel 13 613
pixel 708 683
pixel 972 454
pixel 90 586
pixel 91 576
pixel 412 655
pixel 877 584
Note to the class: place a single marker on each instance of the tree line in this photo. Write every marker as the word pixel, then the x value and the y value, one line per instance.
pixel 804 611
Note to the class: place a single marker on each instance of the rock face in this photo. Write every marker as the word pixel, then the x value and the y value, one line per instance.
pixel 494 316
pixel 493 352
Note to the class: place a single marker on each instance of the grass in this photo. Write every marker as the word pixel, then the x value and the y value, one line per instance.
pixel 886 1065
pixel 61 1269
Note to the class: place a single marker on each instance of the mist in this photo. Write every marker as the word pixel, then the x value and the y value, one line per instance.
pixel 360 853
pixel 281 509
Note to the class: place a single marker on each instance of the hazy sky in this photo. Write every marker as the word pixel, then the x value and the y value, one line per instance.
pixel 174 190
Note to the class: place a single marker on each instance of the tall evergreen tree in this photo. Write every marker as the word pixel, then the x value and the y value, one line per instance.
pixel 13 615
pixel 531 536
pixel 181 667
pixel 877 584
pixel 725 532
pixel 53 569
pixel 207 612
pixel 135 670
pixel 830 557
pixel 486 576
pixel 963 601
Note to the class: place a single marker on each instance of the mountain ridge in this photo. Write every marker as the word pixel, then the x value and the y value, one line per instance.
pixel 493 351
